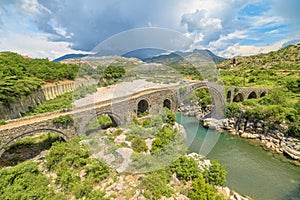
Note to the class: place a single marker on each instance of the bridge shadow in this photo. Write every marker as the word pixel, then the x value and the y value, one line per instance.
pixel 27 148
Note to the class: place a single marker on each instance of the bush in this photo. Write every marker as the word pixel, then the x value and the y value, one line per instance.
pixel 139 145
pixel 294 130
pixel 203 191
pixel 104 121
pixel 25 182
pixel 216 174
pixel 155 185
pixel 186 168
pixel 170 118
pixel 2 122
pixel 64 120
pixel 232 110
pixel 163 138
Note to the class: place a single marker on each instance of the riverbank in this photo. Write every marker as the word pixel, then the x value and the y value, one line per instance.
pixel 272 139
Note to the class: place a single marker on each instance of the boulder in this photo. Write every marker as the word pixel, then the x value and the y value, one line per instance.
pixel 291 152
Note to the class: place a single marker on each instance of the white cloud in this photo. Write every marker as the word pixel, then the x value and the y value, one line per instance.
pixel 35 45
pixel 200 21
pixel 227 40
pixel 237 50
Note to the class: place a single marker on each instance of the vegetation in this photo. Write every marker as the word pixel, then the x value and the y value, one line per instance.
pixel 185 168
pixel 25 181
pixel 155 185
pixel 215 174
pixel 104 121
pixel 82 91
pixel 203 191
pixel 163 138
pixel 61 102
pixel 139 145
pixel 67 160
pixel 278 69
pixel 20 76
pixel 64 120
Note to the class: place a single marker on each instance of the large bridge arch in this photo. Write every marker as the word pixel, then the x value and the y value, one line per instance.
pixel 13 140
pixel 216 91
pixel 116 119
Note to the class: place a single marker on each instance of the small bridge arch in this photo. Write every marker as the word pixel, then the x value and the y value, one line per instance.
pixel 167 104
pixel 239 97
pixel 143 106
pixel 252 95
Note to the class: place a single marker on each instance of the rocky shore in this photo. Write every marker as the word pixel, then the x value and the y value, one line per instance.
pixel 271 139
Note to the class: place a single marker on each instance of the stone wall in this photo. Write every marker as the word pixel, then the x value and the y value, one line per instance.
pixel 23 104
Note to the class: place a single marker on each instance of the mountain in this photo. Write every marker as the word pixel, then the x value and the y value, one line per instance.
pixel 143 54
pixel 67 56
pixel 182 57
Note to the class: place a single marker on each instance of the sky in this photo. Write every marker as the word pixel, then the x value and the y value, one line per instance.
pixel 52 28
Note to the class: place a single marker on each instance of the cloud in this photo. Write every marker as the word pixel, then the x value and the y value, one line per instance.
pixel 35 45
pixel 200 21
pixel 237 49
pixel 216 24
pixel 227 40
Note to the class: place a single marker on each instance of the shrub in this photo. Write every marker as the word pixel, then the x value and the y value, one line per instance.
pixel 203 191
pixel 232 110
pixel 186 168
pixel 139 145
pixel 2 122
pixel 294 130
pixel 64 120
pixel 163 138
pixel 25 182
pixel 155 185
pixel 104 121
pixel 216 174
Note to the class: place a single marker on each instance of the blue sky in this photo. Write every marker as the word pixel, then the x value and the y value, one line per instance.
pixel 52 28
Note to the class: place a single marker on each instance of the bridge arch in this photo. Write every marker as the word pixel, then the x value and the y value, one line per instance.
pixel 263 94
pixel 116 120
pixel 143 106
pixel 252 95
pixel 216 93
pixel 42 130
pixel 238 98
pixel 167 104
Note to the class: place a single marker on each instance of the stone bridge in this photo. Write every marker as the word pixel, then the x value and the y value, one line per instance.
pixel 238 94
pixel 121 110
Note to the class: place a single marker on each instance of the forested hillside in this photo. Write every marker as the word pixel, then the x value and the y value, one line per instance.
pixel 275 68
pixel 19 76
pixel 279 70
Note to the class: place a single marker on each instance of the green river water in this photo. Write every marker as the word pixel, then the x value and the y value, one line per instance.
pixel 251 170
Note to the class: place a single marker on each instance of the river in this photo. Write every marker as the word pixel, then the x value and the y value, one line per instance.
pixel 251 170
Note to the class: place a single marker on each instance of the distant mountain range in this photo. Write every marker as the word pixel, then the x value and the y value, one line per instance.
pixel 179 57
pixel 158 56
pixel 145 53
pixel 68 56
